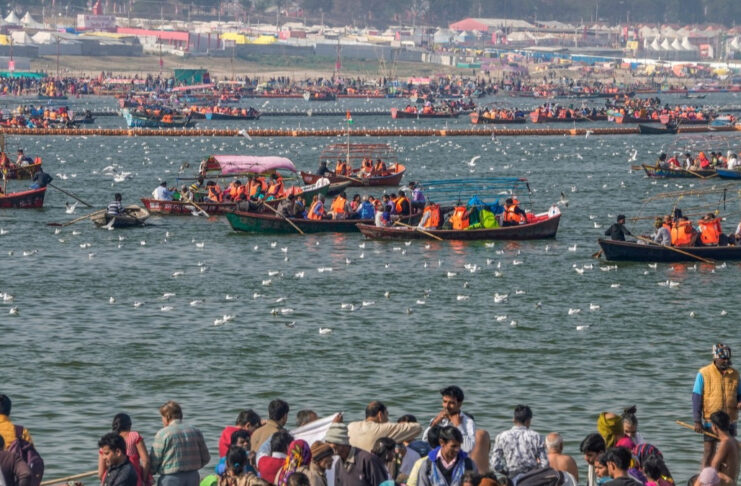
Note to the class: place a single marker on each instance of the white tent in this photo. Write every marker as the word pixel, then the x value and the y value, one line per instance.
pixel 687 46
pixel 655 45
pixel 676 45
pixel 12 18
pixel 21 37
pixel 28 21
pixel 665 46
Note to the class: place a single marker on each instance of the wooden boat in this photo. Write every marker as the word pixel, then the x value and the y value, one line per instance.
pixel 680 120
pixel 210 115
pixel 319 96
pixel 133 216
pixel 654 130
pixel 141 120
pixel 337 187
pixel 654 171
pixel 254 222
pixel 30 199
pixel 179 208
pixel 728 173
pixel 397 113
pixel 540 117
pixel 22 172
pixel 637 252
pixel 545 227
pixel 477 119
pixel 622 119
pixel 47 97
pixel 354 153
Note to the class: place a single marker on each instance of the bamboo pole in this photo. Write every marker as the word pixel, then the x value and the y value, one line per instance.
pixel 69 478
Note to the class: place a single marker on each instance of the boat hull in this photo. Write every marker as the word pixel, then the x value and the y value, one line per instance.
pixel 652 130
pixel 134 216
pixel 396 114
pixel 31 199
pixel 531 231
pixel 223 116
pixel 728 174
pixel 634 252
pixel 390 180
pixel 181 208
pixel 477 119
pixel 252 222
pixel 653 171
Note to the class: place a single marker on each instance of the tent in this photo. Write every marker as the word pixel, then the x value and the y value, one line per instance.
pixel 687 46
pixel 12 18
pixel 20 37
pixel 655 45
pixel 28 21
pixel 665 46
pixel 191 76
pixel 676 45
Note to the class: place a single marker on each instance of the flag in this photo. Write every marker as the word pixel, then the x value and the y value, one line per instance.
pixel 348 117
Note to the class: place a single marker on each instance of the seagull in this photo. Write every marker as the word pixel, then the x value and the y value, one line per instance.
pixel 574 311
pixel 634 156
pixel 177 274
pixel 229 297
pixel 462 298
pixel 723 313
pixel 112 300
pixel 14 311
pixel 582 327
pixel 325 330
pixel 498 298
pixel 201 244
pixel 137 304
pixel 166 308
pixel 387 294
pixel 71 207
pixel 299 275
pixel 501 318
pixel 291 324
pixel 594 307
pixel 196 302
pixel 564 202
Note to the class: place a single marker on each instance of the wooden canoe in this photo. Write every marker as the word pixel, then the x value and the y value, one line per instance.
pixel 390 180
pixel 477 119
pixel 530 231
pixel 22 172
pixel 654 130
pixel 638 252
pixel 254 222
pixel 539 117
pixel 30 199
pixel 397 113
pixel 133 216
pixel 210 115
pixel 729 173
pixel 653 171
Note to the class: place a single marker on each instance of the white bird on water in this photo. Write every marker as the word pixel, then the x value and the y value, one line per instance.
pixel 633 156
pixel 498 298
pixel 71 207
pixel 472 162
pixel 574 311
pixel 14 311
pixel 325 330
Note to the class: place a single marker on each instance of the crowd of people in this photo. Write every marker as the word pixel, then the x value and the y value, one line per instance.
pixel 703 161
pixel 449 451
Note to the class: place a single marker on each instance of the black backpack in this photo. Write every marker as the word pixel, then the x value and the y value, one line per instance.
pixel 544 476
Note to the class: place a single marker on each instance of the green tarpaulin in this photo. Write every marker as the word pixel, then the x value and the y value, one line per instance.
pixel 21 74
pixel 190 76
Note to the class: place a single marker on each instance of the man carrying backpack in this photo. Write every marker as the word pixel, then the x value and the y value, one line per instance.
pixel 13 471
pixel 17 441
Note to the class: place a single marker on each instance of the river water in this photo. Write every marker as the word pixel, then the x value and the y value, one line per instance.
pixel 72 359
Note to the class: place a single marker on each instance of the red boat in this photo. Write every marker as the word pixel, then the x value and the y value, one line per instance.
pixel 681 120
pixel 397 113
pixel 540 117
pixel 183 208
pixel 542 227
pixel 30 199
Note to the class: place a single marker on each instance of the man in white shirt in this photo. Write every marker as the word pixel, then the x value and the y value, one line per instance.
pixel 732 162
pixel 476 443
pixel 161 193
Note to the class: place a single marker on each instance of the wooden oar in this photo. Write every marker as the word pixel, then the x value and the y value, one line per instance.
pixel 283 217
pixel 354 179
pixel 69 194
pixel 700 175
pixel 69 478
pixel 636 167
pixel 78 219
pixel 672 248
pixel 597 254
pixel 198 207
pixel 435 237
pixel 704 432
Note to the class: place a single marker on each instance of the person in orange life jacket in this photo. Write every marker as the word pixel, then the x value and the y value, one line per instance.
pixel 716 388
pixel 366 168
pixel 513 214
pixel 711 233
pixel 341 167
pixel 317 210
pixel 430 216
pixel 403 207
pixel 380 168
pixel 683 234
pixel 275 187
pixel 340 208
pixel 214 191
pixel 235 190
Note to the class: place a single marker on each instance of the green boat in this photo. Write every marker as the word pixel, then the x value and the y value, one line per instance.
pixel 252 222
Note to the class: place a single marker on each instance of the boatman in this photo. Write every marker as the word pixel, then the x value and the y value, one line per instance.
pixel 162 193
pixel 716 388
pixel 41 179
pixel 617 231
pixel 115 207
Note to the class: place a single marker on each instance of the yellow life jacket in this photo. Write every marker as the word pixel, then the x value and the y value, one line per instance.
pixel 719 391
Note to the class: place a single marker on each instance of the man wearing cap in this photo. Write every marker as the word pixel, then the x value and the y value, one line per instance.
pixel 356 467
pixel 716 388
pixel 321 461
pixel 617 231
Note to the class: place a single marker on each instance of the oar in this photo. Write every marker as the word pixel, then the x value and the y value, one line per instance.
pixel 78 219
pixel 69 194
pixel 692 427
pixel 435 237
pixel 700 175
pixel 198 207
pixel 354 179
pixel 69 478
pixel 283 217
pixel 597 254
pixel 672 248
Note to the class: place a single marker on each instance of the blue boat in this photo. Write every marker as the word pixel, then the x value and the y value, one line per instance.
pixel 729 173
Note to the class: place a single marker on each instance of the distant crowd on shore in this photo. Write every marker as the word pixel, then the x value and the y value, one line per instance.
pixel 450 451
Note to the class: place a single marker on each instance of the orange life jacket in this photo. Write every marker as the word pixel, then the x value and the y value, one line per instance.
pixel 276 189
pixel 338 205
pixel 510 216
pixel 433 221
pixel 214 193
pixel 380 167
pixel 235 192
pixel 341 168
pixel 314 216
pixel 459 220
pixel 710 231
pixel 399 201
pixel 681 234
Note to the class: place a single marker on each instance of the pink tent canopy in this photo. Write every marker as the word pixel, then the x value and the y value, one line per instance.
pixel 239 164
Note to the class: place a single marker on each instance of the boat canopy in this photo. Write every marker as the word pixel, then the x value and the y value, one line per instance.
pixel 249 164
